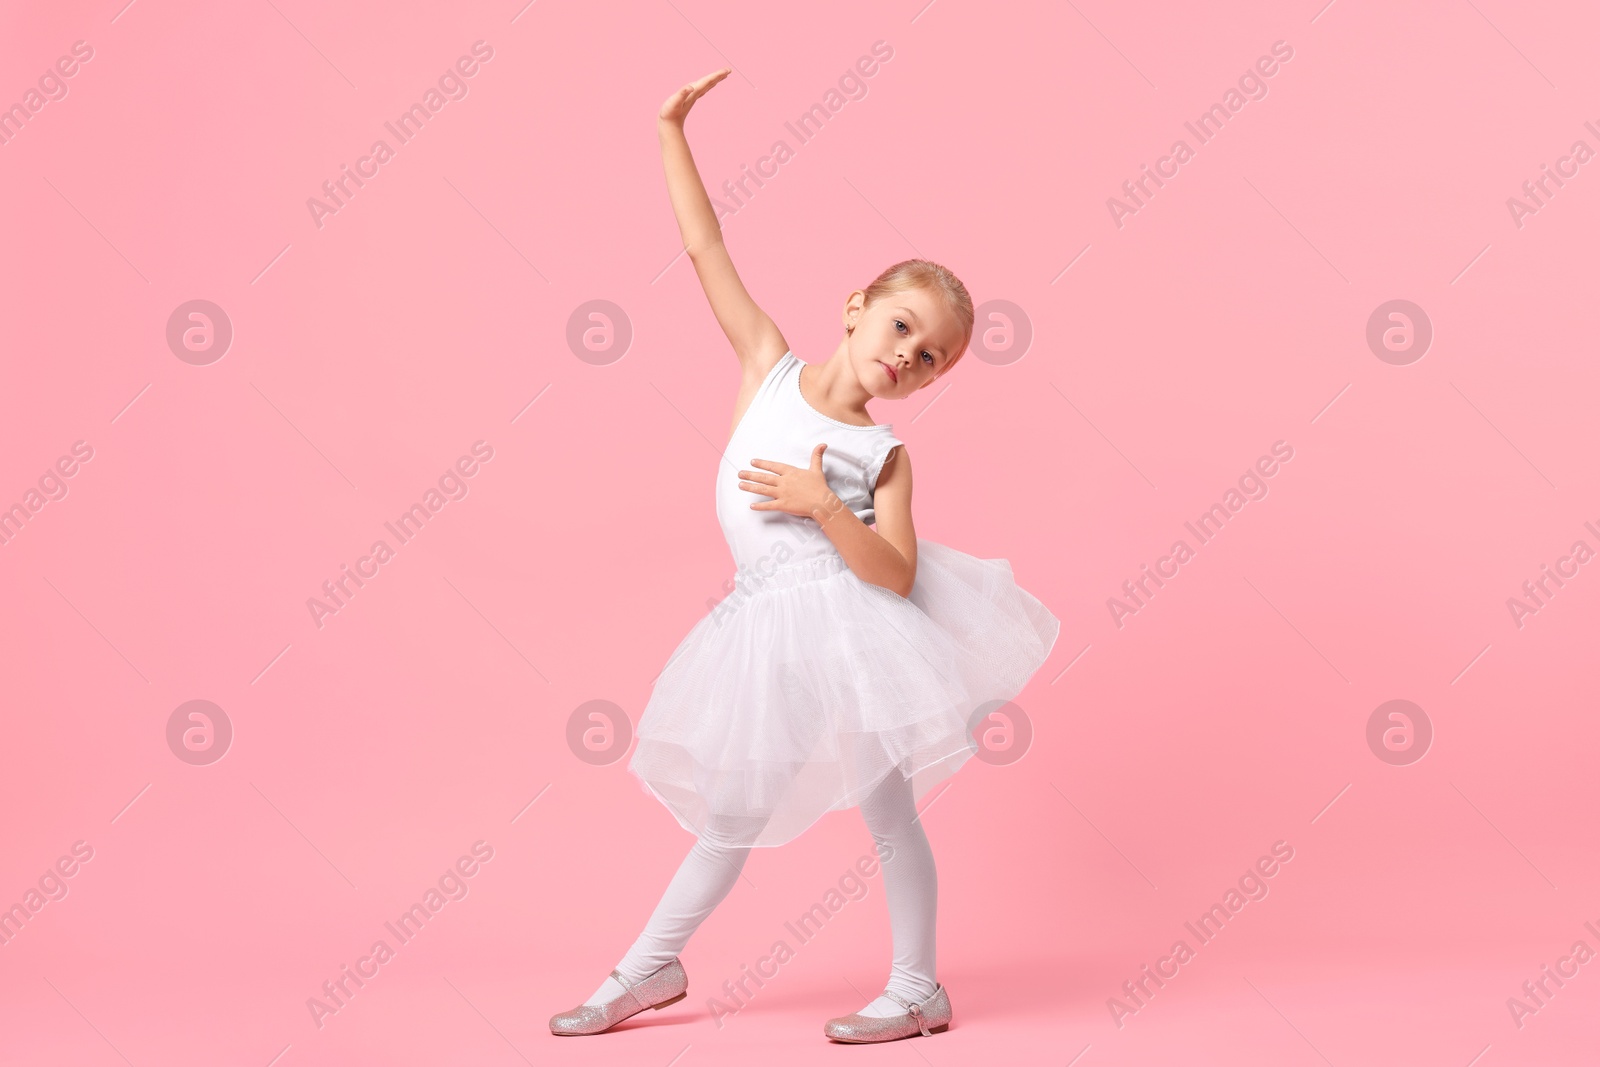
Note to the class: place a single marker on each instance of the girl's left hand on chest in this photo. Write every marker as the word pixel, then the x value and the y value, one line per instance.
pixel 794 490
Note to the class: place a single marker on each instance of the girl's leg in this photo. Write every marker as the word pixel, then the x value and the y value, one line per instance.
pixel 704 878
pixel 911 885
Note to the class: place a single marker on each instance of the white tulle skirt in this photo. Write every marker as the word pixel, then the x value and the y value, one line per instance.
pixel 798 698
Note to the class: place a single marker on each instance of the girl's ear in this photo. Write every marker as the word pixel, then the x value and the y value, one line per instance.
pixel 854 305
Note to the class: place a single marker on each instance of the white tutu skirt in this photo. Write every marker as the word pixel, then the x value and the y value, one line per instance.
pixel 797 698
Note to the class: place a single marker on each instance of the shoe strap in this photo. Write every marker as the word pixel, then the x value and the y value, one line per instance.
pixel 627 987
pixel 913 1010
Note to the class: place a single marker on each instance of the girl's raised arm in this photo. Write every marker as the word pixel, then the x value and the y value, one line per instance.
pixel 754 336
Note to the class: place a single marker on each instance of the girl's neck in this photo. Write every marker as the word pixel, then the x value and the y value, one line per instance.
pixel 833 389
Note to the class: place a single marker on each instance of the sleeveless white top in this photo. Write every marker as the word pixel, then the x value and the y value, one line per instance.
pixel 781 425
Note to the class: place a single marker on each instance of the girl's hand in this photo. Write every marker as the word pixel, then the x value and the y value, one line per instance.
pixel 794 490
pixel 676 109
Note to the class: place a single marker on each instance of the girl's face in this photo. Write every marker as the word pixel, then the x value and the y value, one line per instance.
pixel 902 342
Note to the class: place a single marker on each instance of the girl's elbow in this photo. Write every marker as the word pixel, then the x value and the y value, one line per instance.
pixel 905 586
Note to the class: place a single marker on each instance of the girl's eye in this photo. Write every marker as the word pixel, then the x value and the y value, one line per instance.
pixel 929 355
pixel 899 324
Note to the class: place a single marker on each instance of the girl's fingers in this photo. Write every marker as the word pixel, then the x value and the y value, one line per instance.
pixel 684 98
pixel 757 487
pixel 753 476
pixel 707 82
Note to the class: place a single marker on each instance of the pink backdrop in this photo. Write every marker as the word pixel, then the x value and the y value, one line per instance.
pixel 1132 367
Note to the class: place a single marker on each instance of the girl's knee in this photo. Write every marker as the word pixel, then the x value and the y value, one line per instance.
pixel 890 810
pixel 726 835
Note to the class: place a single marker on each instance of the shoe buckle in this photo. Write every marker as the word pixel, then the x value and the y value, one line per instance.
pixel 916 1013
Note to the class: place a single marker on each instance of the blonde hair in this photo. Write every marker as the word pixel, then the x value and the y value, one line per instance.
pixel 926 274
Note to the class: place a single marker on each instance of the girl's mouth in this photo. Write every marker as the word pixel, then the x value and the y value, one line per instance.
pixel 893 377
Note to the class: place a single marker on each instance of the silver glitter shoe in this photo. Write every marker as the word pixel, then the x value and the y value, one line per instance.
pixel 667 985
pixel 930 1017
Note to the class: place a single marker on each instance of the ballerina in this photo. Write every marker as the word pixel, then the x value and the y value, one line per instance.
pixel 848 669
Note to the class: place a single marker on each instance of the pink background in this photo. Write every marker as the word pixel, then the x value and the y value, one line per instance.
pixel 1230 312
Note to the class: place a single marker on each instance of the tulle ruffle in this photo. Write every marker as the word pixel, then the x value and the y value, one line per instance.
pixel 799 697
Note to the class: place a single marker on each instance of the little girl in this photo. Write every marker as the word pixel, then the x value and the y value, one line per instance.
pixel 845 668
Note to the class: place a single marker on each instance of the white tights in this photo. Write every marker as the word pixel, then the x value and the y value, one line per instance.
pixel 711 867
